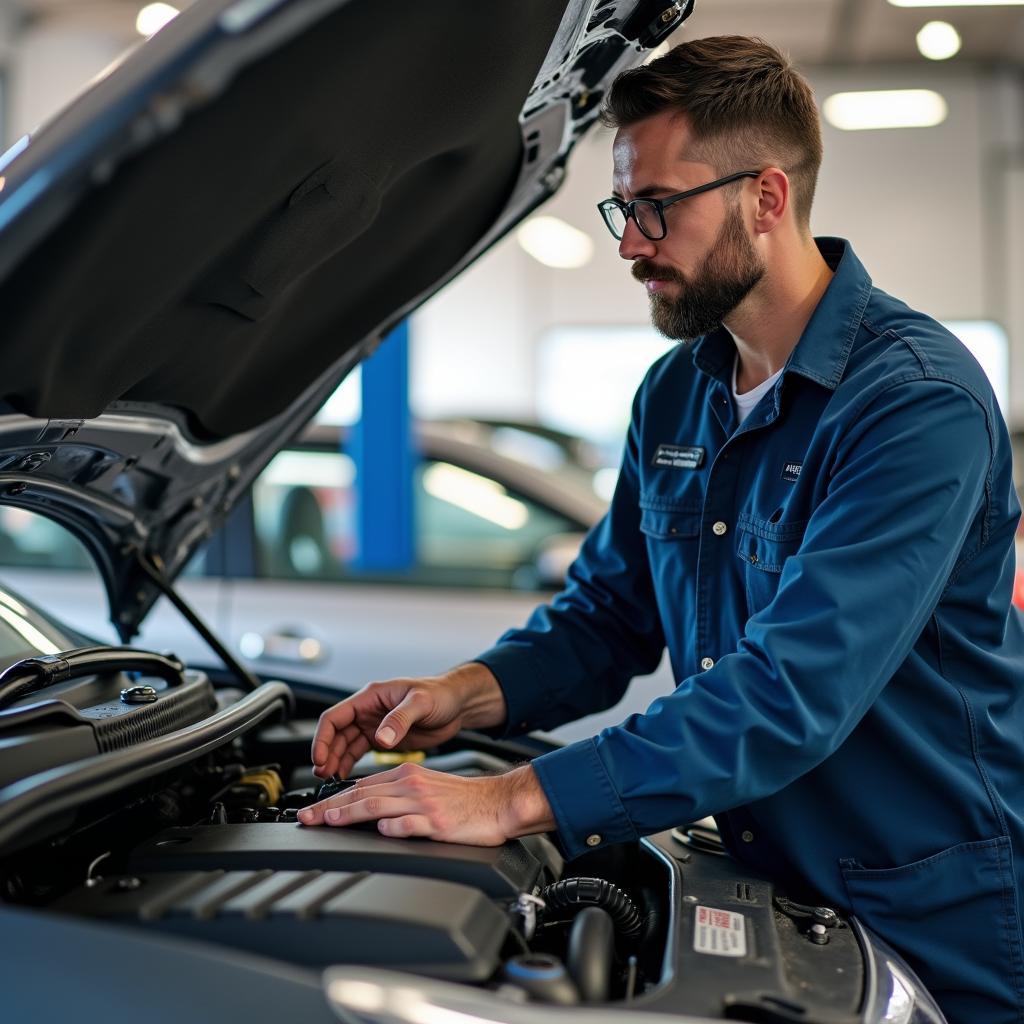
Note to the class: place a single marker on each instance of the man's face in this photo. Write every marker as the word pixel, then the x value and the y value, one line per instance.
pixel 706 264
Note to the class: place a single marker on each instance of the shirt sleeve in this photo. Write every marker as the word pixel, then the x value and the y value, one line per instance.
pixel 578 654
pixel 904 510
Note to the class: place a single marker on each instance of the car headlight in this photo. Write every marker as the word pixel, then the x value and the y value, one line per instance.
pixel 894 994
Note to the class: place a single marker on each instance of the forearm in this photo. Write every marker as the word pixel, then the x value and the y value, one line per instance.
pixel 527 810
pixel 480 696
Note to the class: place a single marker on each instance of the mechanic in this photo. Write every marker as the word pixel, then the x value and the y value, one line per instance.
pixel 815 515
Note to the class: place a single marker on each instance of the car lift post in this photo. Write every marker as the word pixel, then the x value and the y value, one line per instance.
pixel 382 449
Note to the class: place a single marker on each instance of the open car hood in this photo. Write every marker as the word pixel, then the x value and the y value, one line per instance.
pixel 198 249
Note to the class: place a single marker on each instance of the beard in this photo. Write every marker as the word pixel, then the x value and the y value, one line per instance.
pixel 728 274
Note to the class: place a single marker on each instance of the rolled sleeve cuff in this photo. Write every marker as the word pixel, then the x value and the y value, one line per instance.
pixel 587 807
pixel 527 698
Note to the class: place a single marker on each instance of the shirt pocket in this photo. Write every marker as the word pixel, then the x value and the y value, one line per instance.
pixel 661 523
pixel 763 548
pixel 954 917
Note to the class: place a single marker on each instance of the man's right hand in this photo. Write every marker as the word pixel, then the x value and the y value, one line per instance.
pixel 406 714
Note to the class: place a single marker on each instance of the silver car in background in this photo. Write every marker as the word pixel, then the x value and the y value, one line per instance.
pixel 495 532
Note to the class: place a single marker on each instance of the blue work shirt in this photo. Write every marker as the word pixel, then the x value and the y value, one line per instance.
pixel 832 581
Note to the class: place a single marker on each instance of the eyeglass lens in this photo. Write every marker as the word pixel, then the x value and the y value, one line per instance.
pixel 647 217
pixel 645 212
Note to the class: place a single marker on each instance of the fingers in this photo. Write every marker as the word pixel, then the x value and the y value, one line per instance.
pixel 339 746
pixel 330 728
pixel 373 808
pixel 405 826
pixel 397 723
pixel 401 782
pixel 357 747
pixel 361 803
pixel 415 801
pixel 385 711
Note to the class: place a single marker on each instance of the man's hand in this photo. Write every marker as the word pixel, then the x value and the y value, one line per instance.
pixel 405 714
pixel 414 801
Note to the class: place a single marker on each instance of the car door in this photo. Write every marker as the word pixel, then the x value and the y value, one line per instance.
pixel 304 611
pixel 307 611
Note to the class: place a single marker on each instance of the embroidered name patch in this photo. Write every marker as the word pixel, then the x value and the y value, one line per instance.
pixel 678 456
pixel 791 471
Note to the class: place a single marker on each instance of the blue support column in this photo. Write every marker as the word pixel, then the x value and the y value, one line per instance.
pixel 382 449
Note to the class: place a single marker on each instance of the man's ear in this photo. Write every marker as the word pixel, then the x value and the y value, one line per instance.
pixel 772 199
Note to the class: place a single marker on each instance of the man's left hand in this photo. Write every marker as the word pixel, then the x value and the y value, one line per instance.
pixel 415 801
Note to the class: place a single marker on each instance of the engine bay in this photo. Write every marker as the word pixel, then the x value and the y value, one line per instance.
pixel 189 833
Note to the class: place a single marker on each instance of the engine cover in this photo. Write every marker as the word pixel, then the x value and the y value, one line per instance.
pixel 313 918
pixel 502 871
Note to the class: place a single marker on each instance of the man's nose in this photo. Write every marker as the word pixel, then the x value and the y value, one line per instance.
pixel 634 243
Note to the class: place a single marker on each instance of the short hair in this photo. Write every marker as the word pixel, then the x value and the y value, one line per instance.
pixel 744 100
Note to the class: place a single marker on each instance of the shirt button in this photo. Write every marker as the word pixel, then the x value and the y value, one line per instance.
pixel 748 836
pixel 706 663
pixel 594 840
pixel 719 529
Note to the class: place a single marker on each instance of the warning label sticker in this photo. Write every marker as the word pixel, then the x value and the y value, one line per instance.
pixel 719 932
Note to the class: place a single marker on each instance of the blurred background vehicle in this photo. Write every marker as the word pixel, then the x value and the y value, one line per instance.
pixel 500 510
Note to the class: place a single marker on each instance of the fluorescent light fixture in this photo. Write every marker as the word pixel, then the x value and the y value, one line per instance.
pixel 475 494
pixel 938 40
pixel 956 3
pixel 554 243
pixel 885 108
pixel 153 17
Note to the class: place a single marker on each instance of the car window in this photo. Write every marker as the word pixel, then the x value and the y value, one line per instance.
pixel 31 541
pixel 470 530
pixel 28 540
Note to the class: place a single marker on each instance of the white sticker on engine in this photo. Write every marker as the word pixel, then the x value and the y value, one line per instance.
pixel 719 932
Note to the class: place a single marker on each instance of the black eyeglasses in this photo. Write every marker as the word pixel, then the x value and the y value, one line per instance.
pixel 649 214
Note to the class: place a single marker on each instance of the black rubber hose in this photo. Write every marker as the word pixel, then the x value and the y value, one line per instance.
pixel 32 674
pixel 564 899
pixel 591 948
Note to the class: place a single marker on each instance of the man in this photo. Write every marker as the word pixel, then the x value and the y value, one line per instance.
pixel 815 515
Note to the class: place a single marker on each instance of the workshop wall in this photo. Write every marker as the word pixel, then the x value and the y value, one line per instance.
pixel 934 213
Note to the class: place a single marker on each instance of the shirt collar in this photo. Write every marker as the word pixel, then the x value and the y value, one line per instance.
pixel 824 347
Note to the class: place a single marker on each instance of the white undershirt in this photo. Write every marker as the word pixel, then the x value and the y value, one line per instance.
pixel 744 403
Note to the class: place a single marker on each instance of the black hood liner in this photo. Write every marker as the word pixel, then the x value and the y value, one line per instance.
pixel 225 268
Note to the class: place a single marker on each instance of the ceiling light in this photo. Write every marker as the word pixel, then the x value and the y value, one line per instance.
pixel 555 244
pixel 153 17
pixel 888 108
pixel 938 40
pixel 956 3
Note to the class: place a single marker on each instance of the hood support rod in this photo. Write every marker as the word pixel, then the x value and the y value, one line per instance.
pixel 152 566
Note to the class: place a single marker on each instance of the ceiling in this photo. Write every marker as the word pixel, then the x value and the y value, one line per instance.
pixel 813 32
pixel 847 32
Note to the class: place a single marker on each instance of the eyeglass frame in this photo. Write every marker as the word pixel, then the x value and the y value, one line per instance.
pixel 629 208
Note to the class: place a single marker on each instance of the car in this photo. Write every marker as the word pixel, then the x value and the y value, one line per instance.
pixel 193 255
pixel 278 580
